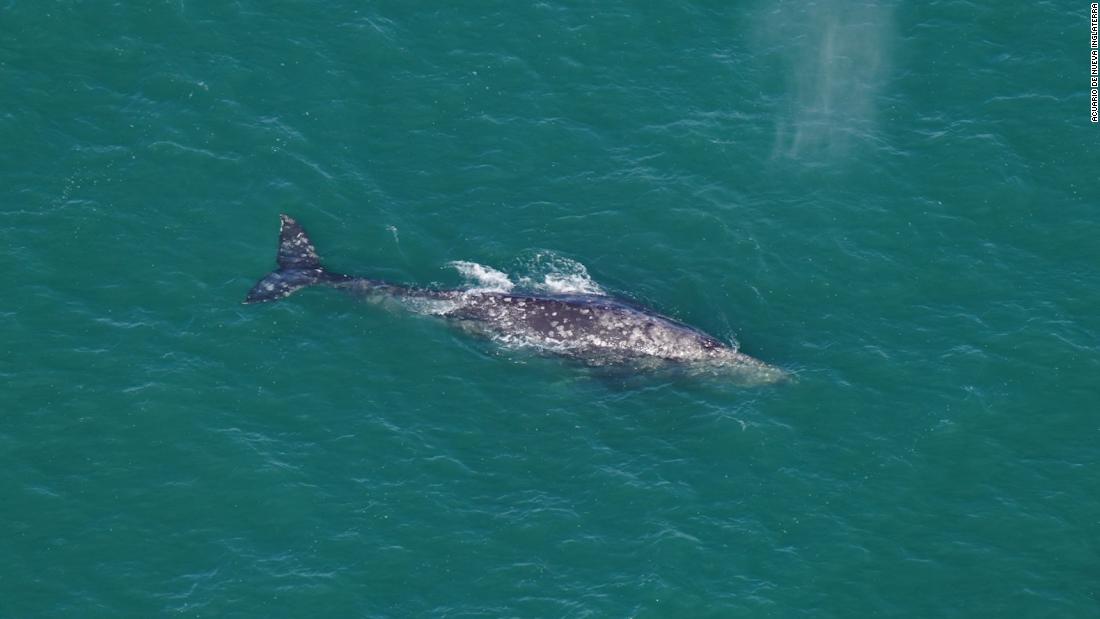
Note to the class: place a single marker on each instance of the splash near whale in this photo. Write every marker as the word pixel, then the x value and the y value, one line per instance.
pixel 590 326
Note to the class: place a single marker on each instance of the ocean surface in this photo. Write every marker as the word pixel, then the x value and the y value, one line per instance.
pixel 895 202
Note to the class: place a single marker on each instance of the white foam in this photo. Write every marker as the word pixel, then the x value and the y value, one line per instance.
pixel 544 272
pixel 571 284
pixel 556 274
pixel 488 279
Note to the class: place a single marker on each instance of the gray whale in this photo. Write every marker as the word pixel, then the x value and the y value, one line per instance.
pixel 597 329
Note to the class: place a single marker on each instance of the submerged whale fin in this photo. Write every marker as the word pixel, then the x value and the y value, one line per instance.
pixel 299 266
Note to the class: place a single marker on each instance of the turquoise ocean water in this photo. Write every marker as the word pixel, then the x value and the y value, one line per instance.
pixel 896 202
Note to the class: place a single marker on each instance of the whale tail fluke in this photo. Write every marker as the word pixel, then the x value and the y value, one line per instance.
pixel 299 266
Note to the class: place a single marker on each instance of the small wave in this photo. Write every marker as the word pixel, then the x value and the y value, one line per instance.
pixel 577 284
pixel 550 272
pixel 544 271
pixel 487 278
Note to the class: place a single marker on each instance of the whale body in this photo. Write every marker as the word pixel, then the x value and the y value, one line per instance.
pixel 596 329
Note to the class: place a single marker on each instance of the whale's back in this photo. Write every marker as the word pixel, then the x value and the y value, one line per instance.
pixel 594 327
